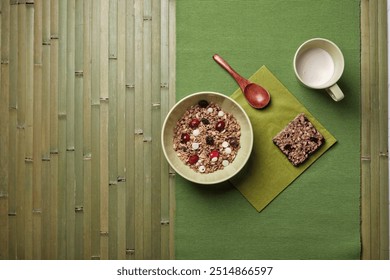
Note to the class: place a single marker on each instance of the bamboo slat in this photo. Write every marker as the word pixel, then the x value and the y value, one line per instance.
pixel 104 112
pixel 78 140
pixel 139 129
pixel 147 127
pixel 374 156
pixel 87 127
pixel 374 127
pixel 21 211
pixel 37 121
pixel 84 90
pixel 62 132
pixel 104 193
pixel 365 132
pixel 156 183
pixel 70 132
pixel 172 100
pixel 383 172
pixel 51 249
pixel 4 129
pixel 95 131
pixel 130 129
pixel 95 184
pixel 113 128
pixel 165 105
pixel 13 88
pixel 45 126
pixel 121 131
pixel 32 212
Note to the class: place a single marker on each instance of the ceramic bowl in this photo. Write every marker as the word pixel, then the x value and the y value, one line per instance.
pixel 228 105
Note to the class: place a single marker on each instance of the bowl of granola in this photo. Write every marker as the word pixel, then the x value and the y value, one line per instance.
pixel 207 137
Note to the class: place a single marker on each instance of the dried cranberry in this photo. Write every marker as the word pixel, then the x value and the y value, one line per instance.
pixel 220 126
pixel 194 123
pixel 193 159
pixel 214 154
pixel 185 137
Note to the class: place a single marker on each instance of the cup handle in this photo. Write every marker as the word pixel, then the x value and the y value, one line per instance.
pixel 335 92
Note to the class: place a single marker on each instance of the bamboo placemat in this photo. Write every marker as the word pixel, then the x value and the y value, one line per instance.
pixel 85 86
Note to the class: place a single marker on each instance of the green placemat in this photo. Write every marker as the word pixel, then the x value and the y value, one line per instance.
pixel 268 172
pixel 318 215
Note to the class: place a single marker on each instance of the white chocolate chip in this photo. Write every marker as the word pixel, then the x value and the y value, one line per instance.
pixel 214 159
pixel 195 146
pixel 228 150
pixel 196 132
pixel 210 110
pixel 221 113
pixel 225 144
pixel 202 169
pixel 225 162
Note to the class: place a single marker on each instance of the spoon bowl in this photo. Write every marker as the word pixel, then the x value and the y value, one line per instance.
pixel 257 96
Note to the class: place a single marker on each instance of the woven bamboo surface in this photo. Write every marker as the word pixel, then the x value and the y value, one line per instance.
pixel 85 86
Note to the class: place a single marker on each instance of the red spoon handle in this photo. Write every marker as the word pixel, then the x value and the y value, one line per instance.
pixel 240 80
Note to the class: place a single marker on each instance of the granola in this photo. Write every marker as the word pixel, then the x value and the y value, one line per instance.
pixel 206 138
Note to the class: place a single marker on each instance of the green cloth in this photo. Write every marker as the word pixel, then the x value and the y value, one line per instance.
pixel 268 172
pixel 318 215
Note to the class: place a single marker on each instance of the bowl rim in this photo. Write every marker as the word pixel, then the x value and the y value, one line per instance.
pixel 193 178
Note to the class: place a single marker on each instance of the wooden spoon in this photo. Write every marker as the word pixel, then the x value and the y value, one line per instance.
pixel 257 96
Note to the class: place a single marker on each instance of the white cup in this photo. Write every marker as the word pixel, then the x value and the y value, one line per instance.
pixel 319 64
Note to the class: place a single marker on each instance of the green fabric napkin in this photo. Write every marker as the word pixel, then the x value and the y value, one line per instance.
pixel 268 171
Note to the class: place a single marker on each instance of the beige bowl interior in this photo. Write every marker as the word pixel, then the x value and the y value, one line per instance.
pixel 228 105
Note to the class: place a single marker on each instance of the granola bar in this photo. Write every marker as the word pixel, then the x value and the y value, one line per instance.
pixel 299 139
